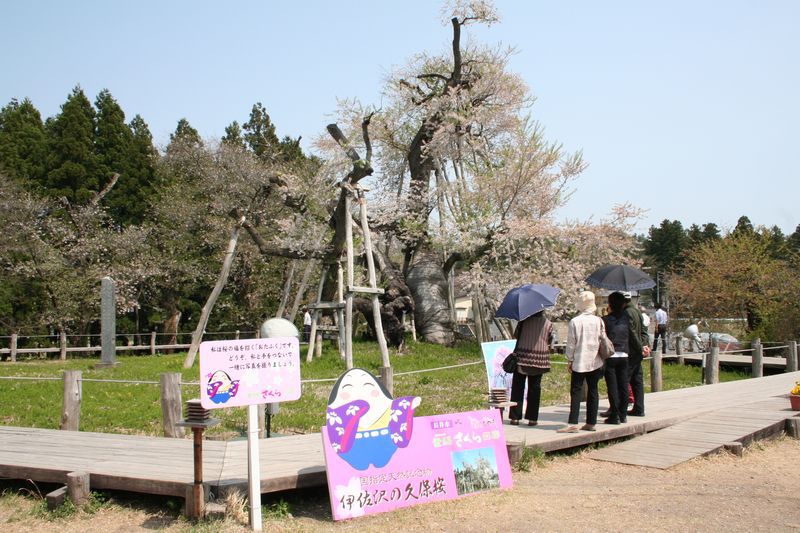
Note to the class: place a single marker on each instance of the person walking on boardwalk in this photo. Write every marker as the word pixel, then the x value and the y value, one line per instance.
pixel 661 329
pixel 533 336
pixel 583 362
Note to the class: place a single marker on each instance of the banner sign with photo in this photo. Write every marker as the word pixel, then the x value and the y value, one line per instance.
pixel 249 372
pixel 379 457
pixel 494 353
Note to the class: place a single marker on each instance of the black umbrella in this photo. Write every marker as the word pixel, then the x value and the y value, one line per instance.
pixel 620 278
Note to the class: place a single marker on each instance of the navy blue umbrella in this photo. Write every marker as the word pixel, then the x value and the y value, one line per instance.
pixel 527 300
pixel 620 278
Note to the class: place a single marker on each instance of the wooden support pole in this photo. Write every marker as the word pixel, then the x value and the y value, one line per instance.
pixel 315 314
pixel 78 487
pixel 318 345
pixel 477 321
pixel 656 381
pixel 679 350
pixel 171 404
pixel 791 359
pixel 340 311
pixel 62 345
pixel 71 409
pixel 13 347
pixel 758 358
pixel 348 302
pixel 387 378
pixel 712 363
pixel 373 283
pixel 152 343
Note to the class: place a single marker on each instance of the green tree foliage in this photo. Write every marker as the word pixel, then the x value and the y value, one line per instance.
pixel 233 136
pixel 743 225
pixel 72 166
pixel 130 154
pixel 22 142
pixel 666 244
pixel 739 276
pixel 793 241
pixel 184 136
pixel 259 134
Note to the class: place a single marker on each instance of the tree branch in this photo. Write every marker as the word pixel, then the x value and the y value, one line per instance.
pixel 110 185
pixel 365 133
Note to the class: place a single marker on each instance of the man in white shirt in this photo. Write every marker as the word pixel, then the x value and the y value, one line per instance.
pixel 661 329
pixel 306 325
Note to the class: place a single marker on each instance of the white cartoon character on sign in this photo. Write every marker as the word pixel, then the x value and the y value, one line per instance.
pixel 365 425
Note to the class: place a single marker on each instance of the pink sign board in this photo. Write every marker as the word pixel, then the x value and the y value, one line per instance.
pixel 387 459
pixel 249 372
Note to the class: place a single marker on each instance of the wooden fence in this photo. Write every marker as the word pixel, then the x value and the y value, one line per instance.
pixel 59 343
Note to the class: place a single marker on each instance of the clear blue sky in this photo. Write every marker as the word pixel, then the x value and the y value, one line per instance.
pixel 689 109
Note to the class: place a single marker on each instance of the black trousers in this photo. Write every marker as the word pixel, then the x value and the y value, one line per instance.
pixel 576 395
pixel 616 372
pixel 636 379
pixel 532 400
pixel 661 330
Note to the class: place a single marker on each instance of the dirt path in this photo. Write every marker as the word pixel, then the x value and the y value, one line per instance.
pixel 758 492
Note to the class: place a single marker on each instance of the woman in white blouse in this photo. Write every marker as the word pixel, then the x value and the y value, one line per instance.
pixel 583 362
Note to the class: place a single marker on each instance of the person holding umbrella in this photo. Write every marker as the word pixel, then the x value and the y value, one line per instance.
pixel 622 279
pixel 534 333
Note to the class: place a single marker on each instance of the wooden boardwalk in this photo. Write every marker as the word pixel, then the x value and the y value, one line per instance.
pixel 163 466
pixel 702 435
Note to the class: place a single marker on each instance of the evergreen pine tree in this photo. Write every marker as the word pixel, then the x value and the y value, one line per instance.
pixel 72 170
pixel 793 241
pixel 184 135
pixel 711 232
pixel 233 136
pixel 260 134
pixel 743 225
pixel 22 142
pixel 131 196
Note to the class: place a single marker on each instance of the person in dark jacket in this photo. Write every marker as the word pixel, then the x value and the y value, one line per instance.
pixel 616 366
pixel 639 345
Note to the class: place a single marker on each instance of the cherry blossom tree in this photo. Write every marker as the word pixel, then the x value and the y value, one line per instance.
pixel 466 178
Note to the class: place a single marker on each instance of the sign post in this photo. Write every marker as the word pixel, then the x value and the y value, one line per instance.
pixel 249 373
pixel 253 470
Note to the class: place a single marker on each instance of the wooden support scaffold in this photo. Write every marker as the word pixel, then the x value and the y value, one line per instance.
pixel 343 308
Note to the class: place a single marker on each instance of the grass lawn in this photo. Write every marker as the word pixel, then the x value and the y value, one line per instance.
pixel 136 408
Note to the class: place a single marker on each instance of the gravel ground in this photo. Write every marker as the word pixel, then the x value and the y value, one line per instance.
pixel 757 492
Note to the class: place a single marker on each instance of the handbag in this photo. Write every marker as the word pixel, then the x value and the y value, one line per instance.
pixel 606 348
pixel 510 363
